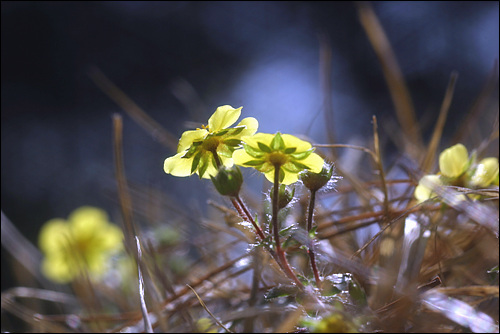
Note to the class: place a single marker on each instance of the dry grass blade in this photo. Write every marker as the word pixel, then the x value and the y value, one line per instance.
pixel 438 129
pixel 394 77
pixel 208 311
pixel 133 110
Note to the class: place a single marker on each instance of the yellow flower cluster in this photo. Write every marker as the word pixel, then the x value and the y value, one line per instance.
pixel 458 169
pixel 82 243
pixel 202 151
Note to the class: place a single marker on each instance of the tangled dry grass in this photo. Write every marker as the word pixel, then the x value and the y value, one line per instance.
pixel 387 263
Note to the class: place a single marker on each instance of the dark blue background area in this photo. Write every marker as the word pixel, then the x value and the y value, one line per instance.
pixel 56 125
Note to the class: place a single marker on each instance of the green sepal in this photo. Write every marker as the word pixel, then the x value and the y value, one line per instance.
pixel 290 150
pixel 277 142
pixel 236 130
pixel 192 150
pixel 253 152
pixel 254 163
pixel 264 147
pixel 302 155
pixel 232 142
pixel 204 165
pixel 196 161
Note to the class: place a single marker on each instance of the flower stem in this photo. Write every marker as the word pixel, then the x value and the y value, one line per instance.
pixel 310 249
pixel 239 205
pixel 279 251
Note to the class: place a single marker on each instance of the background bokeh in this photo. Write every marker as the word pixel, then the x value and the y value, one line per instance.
pixel 180 60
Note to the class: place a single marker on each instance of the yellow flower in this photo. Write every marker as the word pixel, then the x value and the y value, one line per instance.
pixel 196 149
pixel 84 242
pixel 265 152
pixel 485 173
pixel 453 161
pixel 424 189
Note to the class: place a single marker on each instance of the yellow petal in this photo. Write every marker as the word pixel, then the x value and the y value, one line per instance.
pixel 486 172
pixel 292 141
pixel 424 189
pixel 58 269
pixel 188 137
pixel 453 161
pixel 111 238
pixel 54 236
pixel 314 162
pixel 223 117
pixel 178 166
pixel 241 156
pixel 86 221
pixel 290 178
pixel 251 126
pixel 264 138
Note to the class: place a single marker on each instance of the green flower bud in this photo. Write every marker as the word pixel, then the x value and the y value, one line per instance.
pixel 285 195
pixel 315 181
pixel 228 181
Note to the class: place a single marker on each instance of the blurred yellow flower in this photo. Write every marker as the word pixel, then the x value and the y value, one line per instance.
pixel 265 152
pixel 196 149
pixel 84 242
pixel 485 174
pixel 453 161
pixel 424 189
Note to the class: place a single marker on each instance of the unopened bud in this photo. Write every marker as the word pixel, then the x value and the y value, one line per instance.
pixel 316 181
pixel 228 181
pixel 285 195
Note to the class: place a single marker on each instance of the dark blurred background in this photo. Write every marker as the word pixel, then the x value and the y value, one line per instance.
pixel 179 61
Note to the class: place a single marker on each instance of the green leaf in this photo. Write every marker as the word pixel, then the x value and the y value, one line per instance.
pixel 277 143
pixel 264 147
pixel 312 232
pixel 287 230
pixel 290 150
pixel 357 294
pixel 280 291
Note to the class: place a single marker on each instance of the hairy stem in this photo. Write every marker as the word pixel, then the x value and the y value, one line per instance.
pixel 310 249
pixel 279 251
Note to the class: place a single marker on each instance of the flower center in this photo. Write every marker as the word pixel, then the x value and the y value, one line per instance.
pixel 277 159
pixel 211 144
